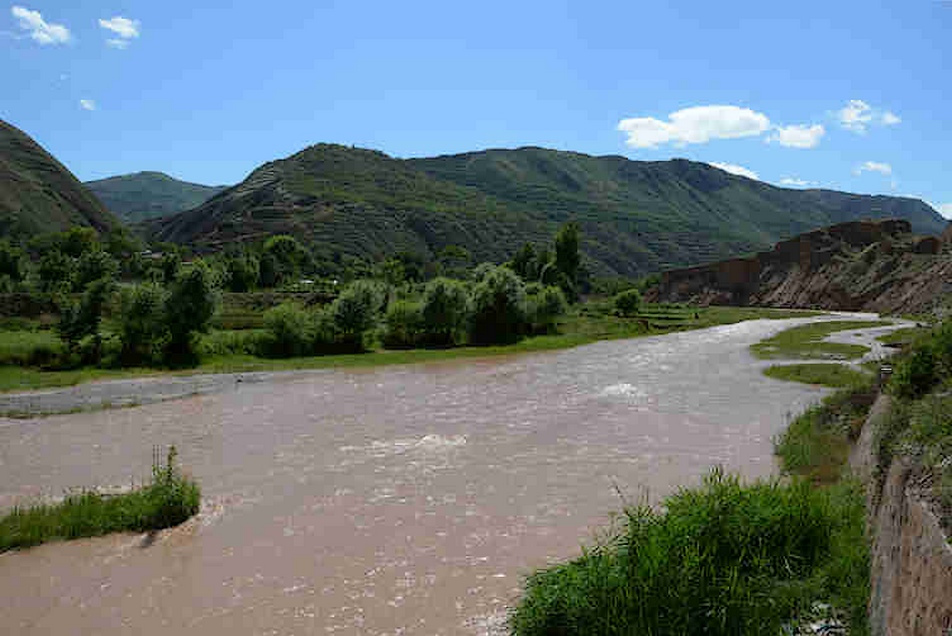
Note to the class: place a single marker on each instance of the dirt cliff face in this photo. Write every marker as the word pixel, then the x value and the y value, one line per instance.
pixel 856 266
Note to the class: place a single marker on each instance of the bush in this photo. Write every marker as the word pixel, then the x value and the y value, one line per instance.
pixel 289 331
pixel 627 303
pixel 544 307
pixel 445 311
pixel 498 305
pixel 403 325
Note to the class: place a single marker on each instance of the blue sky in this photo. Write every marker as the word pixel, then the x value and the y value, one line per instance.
pixel 851 96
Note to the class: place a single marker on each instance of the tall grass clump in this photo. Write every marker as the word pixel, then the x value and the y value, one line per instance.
pixel 167 500
pixel 724 559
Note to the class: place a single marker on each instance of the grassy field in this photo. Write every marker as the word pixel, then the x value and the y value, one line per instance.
pixel 232 351
pixel 168 500
pixel 806 342
pixel 902 336
pixel 832 375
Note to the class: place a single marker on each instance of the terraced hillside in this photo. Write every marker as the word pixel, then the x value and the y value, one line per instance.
pixel 38 194
pixel 636 217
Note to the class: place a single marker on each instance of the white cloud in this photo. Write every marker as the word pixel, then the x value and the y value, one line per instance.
pixel 87 104
pixel 873 166
pixel 735 169
pixel 40 30
pixel 945 209
pixel 800 136
pixel 123 27
pixel 117 43
pixel 857 115
pixel 695 125
pixel 795 182
pixel 889 118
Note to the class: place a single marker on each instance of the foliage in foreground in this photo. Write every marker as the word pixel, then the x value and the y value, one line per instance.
pixel 725 559
pixel 168 500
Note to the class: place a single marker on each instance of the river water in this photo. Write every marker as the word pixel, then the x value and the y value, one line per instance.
pixel 397 500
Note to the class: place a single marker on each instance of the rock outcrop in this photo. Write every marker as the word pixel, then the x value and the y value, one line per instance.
pixel 911 559
pixel 857 266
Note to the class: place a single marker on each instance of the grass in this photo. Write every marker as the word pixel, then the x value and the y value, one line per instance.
pixel 723 559
pixel 833 375
pixel 806 341
pixel 232 351
pixel 816 444
pixel 168 500
pixel 902 336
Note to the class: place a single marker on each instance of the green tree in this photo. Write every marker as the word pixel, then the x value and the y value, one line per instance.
pixel 12 261
pixel 445 311
pixel 284 257
pixel 142 328
pixel 403 325
pixel 93 265
pixel 567 258
pixel 78 240
pixel 189 308
pixel 498 308
pixel 526 263
pixel 79 320
pixel 545 306
pixel 241 272
pixel 289 329
pixel 55 270
pixel 355 312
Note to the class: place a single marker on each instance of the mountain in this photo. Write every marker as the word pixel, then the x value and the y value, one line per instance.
pixel 38 194
pixel 636 217
pixel 147 195
pixel 856 266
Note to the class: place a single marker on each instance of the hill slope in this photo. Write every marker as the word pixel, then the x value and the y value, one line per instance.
pixel 148 195
pixel 38 194
pixel 856 266
pixel 636 217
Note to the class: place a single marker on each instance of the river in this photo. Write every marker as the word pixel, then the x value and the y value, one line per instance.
pixel 397 500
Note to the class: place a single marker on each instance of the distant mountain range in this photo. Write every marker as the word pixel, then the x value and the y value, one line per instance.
pixel 148 195
pixel 38 194
pixel 636 217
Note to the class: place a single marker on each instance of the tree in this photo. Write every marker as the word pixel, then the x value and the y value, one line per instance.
pixel 355 312
pixel 142 328
pixel 567 258
pixel 284 256
pixel 55 269
pixel 91 266
pixel 525 263
pixel 545 306
pixel 12 261
pixel 84 319
pixel 445 310
pixel 241 272
pixel 289 330
pixel 498 308
pixel 189 308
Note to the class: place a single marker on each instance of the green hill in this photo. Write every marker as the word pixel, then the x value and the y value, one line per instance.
pixel 636 217
pixel 148 195
pixel 38 194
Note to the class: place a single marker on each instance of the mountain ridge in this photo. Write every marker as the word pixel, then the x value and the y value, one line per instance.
pixel 636 217
pixel 39 194
pixel 139 196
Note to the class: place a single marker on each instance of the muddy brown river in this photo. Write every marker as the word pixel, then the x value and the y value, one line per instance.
pixel 400 500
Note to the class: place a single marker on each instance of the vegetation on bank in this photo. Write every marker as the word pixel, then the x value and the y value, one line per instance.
pixel 167 500
pixel 724 558
pixel 920 424
pixel 832 375
pixel 807 341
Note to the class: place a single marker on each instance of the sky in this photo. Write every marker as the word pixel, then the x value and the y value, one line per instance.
pixel 841 95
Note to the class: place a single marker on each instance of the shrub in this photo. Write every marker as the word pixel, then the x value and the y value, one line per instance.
pixel 403 325
pixel 498 305
pixel 544 307
pixel 445 311
pixel 289 331
pixel 628 302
